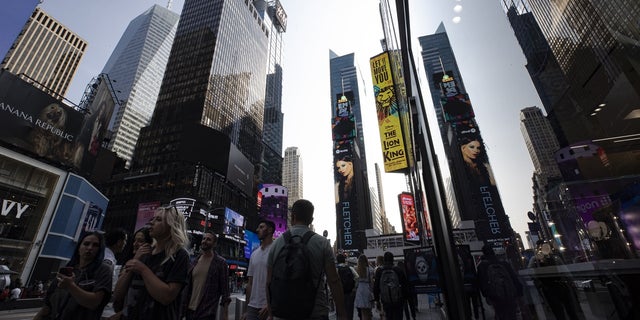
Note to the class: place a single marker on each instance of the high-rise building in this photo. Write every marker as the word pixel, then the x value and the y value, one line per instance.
pixel 13 16
pixel 472 178
pixel 292 174
pixel 353 204
pixel 136 68
pixel 380 196
pixel 47 52
pixel 376 211
pixel 206 130
pixel 452 204
pixel 275 20
pixel 541 142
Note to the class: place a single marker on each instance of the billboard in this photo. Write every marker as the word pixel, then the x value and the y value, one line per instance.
pixel 252 243
pixel 34 121
pixel 409 217
pixel 272 205
pixel 344 124
pixel 345 176
pixel 391 137
pixel 145 213
pixel 422 269
pixel 488 212
pixel 233 224
pixel 455 104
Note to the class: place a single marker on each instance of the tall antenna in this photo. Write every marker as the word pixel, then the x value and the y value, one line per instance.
pixel 169 4
pixel 343 98
pixel 444 73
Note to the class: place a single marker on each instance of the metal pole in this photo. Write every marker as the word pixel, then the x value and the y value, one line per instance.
pixel 452 285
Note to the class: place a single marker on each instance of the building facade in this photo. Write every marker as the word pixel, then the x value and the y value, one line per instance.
pixel 46 52
pixel 12 21
pixel 292 176
pixel 206 132
pixel 136 67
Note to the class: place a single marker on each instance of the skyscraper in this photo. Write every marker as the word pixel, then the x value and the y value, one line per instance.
pixel 353 203
pixel 292 174
pixel 47 52
pixel 541 142
pixel 275 20
pixel 382 214
pixel 471 174
pixel 206 131
pixel 136 68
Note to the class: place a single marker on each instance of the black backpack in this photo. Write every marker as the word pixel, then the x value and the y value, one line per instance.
pixel 347 278
pixel 292 288
pixel 390 287
pixel 498 284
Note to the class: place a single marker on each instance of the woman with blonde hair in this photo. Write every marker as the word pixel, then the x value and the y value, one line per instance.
pixel 364 293
pixel 163 272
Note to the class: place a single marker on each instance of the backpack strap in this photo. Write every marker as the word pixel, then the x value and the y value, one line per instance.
pixel 287 236
pixel 307 235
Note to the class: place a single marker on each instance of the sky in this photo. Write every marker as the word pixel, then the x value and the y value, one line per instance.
pixel 490 60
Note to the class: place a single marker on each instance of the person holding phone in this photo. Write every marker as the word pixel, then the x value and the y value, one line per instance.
pixel 162 272
pixel 82 288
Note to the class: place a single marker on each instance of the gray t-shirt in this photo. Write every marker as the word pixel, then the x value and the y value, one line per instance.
pixel 321 252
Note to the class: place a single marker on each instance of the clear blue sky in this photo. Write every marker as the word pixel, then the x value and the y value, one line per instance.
pixel 489 58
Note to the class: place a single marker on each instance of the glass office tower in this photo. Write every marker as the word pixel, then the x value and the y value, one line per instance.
pixel 136 68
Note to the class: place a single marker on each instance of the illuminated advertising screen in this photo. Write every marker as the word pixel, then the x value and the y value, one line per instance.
pixel 32 120
pixel 455 104
pixel 344 125
pixel 345 177
pixel 252 243
pixel 272 205
pixel 145 213
pixel 233 223
pixel 391 137
pixel 422 269
pixel 409 217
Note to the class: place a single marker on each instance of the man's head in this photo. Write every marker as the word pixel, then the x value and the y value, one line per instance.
pixel 388 258
pixel 302 212
pixel 341 258
pixel 265 229
pixel 116 239
pixel 208 242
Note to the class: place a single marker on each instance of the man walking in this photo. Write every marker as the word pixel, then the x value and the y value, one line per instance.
pixel 499 284
pixel 349 278
pixel 207 283
pixel 257 273
pixel 317 259
pixel 391 288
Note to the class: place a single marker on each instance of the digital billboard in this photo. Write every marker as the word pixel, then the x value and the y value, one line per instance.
pixel 145 213
pixel 391 137
pixel 455 104
pixel 344 124
pixel 252 243
pixel 233 224
pixel 272 205
pixel 409 217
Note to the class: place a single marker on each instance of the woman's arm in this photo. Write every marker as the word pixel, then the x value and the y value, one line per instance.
pixel 120 291
pixel 87 299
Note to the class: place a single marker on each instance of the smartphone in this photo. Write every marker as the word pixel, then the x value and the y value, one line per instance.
pixel 67 271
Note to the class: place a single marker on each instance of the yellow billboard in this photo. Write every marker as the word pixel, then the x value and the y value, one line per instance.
pixel 391 138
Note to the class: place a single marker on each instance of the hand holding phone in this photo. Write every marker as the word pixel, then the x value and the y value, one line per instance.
pixel 67 271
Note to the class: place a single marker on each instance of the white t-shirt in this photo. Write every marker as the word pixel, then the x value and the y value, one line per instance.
pixel 15 293
pixel 258 265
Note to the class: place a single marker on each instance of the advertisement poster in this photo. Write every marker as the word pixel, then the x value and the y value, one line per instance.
pixel 272 205
pixel 410 224
pixel 391 137
pixel 455 104
pixel 422 269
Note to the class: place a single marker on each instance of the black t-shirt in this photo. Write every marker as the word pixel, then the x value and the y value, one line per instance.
pixel 62 305
pixel 140 305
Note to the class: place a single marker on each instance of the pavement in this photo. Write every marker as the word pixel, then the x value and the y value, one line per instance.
pixel 425 310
